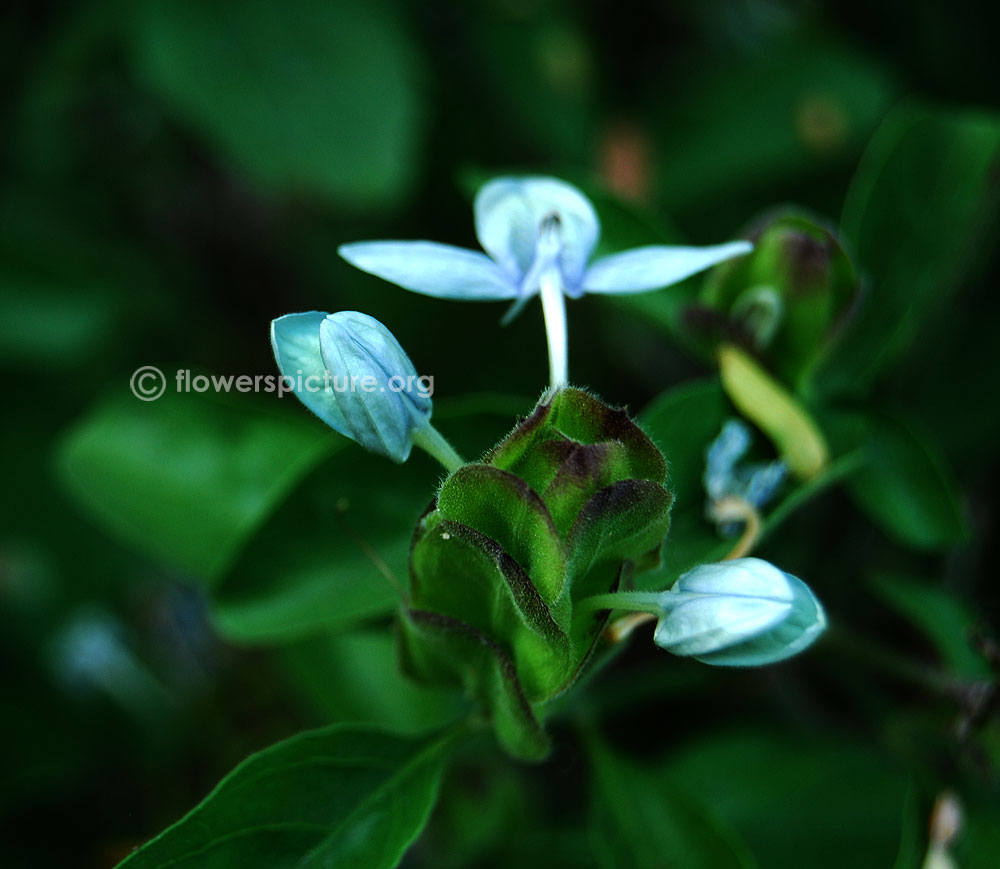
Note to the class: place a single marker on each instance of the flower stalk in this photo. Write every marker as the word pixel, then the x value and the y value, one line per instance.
pixel 431 441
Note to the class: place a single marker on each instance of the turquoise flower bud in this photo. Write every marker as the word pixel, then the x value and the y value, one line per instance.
pixel 740 613
pixel 350 371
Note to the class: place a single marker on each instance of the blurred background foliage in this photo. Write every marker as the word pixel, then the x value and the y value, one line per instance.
pixel 185 581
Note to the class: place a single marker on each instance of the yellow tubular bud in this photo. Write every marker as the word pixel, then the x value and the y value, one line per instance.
pixel 775 411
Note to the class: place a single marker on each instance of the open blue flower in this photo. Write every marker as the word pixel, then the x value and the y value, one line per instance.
pixel 538 234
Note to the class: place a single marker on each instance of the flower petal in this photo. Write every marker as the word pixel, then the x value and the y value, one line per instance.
pixel 656 266
pixel 509 215
pixel 800 630
pixel 739 577
pixel 709 624
pixel 433 269
pixel 295 340
pixel 365 360
pixel 515 309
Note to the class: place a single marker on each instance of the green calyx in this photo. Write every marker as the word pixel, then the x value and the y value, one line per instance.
pixel 570 504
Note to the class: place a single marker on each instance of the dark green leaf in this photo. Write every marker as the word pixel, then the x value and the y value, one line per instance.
pixel 356 677
pixel 914 214
pixel 188 478
pixel 341 796
pixel 626 521
pixel 977 845
pixel 938 614
pixel 334 554
pixel 310 96
pixel 645 820
pixel 799 106
pixel 682 422
pixel 903 485
pixel 825 804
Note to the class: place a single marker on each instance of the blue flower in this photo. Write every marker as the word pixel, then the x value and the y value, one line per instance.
pixel 538 234
pixel 728 476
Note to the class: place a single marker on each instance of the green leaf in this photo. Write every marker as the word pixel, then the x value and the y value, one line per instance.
pixel 66 291
pixel 822 803
pixel 52 325
pixel 541 67
pixel 582 417
pixel 344 795
pixel 305 96
pixel 645 820
pixel 682 422
pixel 912 835
pixel 915 214
pixel 801 105
pixel 484 814
pixel 539 449
pixel 215 486
pixel 977 845
pixel 356 677
pixel 334 554
pixel 940 616
pixel 903 485
pixel 188 478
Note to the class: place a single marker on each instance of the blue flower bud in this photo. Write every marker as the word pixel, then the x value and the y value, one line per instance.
pixel 740 613
pixel 350 371
pixel 727 475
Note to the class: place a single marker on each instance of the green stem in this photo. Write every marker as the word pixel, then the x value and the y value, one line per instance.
pixel 432 441
pixel 634 601
pixel 655 602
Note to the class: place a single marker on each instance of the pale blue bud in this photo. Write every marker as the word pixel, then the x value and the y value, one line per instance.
pixel 740 613
pixel 350 371
pixel 728 476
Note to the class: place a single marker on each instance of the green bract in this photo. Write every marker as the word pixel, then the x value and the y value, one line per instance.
pixel 787 300
pixel 570 504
